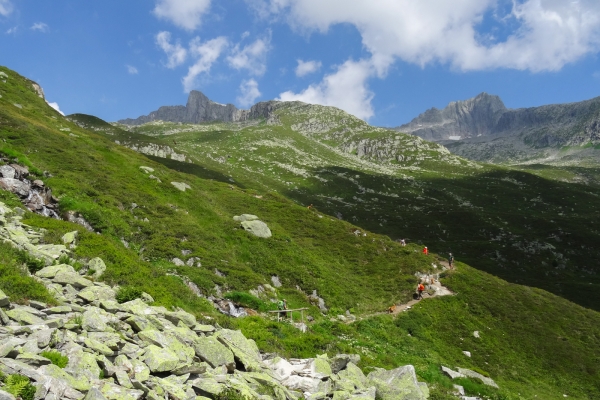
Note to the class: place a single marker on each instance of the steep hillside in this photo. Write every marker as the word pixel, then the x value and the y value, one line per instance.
pixel 531 342
pixel 482 129
pixel 529 229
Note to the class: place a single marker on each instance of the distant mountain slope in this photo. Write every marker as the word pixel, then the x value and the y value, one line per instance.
pixel 200 108
pixel 552 134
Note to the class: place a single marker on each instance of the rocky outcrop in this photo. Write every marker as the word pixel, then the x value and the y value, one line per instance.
pixel 200 108
pixel 460 119
pixel 252 224
pixel 135 350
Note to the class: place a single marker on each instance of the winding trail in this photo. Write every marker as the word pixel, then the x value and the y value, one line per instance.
pixel 435 285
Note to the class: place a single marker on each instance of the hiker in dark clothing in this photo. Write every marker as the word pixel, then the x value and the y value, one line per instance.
pixel 451 261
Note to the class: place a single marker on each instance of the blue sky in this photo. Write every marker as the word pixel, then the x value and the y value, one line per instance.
pixel 385 61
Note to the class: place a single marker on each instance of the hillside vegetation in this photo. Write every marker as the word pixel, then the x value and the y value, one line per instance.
pixel 531 343
pixel 533 226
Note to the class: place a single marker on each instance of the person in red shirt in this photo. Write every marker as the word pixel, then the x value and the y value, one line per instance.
pixel 420 289
pixel 425 251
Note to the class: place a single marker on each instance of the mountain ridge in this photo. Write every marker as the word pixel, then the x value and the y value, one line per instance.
pixel 200 108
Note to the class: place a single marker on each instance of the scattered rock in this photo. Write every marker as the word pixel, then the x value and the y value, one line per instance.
pixel 257 228
pixel 276 281
pixel 181 186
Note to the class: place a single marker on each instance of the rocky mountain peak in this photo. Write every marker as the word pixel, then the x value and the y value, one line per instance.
pixel 459 119
pixel 200 108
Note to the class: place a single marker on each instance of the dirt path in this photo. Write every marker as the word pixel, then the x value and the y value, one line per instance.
pixel 433 286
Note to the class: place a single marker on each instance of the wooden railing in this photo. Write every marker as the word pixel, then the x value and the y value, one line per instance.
pixel 283 314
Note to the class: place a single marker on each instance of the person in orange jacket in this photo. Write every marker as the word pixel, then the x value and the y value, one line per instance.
pixel 425 251
pixel 420 289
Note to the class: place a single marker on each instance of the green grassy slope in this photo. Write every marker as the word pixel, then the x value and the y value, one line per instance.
pixel 101 180
pixel 534 227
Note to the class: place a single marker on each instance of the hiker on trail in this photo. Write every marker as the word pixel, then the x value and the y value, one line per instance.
pixel 425 251
pixel 282 305
pixel 420 289
pixel 402 242
pixel 451 261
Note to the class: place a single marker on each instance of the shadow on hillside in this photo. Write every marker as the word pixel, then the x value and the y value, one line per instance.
pixel 194 169
pixel 518 226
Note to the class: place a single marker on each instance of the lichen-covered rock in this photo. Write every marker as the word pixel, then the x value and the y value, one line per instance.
pixel 208 387
pixel 71 278
pixel 116 392
pixel 244 349
pixel 473 374
pixel 70 237
pixel 399 383
pixel 51 271
pixel 94 394
pixel 6 396
pixel 51 370
pixel 168 341
pixel 209 349
pixel 181 186
pixel 98 347
pixel 97 293
pixel 93 320
pixel 339 361
pixel 4 299
pixel 159 359
pixel 23 317
pixel 33 359
pixel 182 316
pixel 97 265
pixel 354 375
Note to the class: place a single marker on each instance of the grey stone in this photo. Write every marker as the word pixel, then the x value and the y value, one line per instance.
pixel 15 186
pixel 399 383
pixel 245 217
pixel 209 349
pixel 97 293
pixel 70 237
pixel 23 317
pixel 452 374
pixel 4 299
pixel 6 396
pixel 160 360
pixel 51 271
pixel 473 374
pixel 6 171
pixel 181 186
pixel 71 278
pixel 93 320
pixel 98 266
pixel 94 394
pixel 257 228
pixel 339 361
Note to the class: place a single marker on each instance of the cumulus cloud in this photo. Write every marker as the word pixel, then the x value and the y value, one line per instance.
pixel 131 69
pixel 5 7
pixel 175 52
pixel 307 67
pixel 252 57
pixel 56 107
pixel 543 35
pixel 248 93
pixel 39 26
pixel 206 54
pixel 186 14
pixel 346 88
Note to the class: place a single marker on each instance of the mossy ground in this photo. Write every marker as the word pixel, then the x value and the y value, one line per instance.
pixel 532 342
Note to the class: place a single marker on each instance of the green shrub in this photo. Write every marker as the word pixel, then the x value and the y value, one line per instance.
pixel 231 394
pixel 128 293
pixel 56 358
pixel 247 300
pixel 33 264
pixel 19 386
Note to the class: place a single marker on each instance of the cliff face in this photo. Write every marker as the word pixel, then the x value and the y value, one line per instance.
pixel 200 108
pixel 469 118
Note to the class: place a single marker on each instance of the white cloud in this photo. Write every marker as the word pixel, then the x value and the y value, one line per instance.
pixel 206 53
pixel 252 57
pixel 12 30
pixel 346 89
pixel 543 35
pixel 131 69
pixel 56 107
pixel 307 67
pixel 186 14
pixel 175 52
pixel 39 26
pixel 249 93
pixel 5 7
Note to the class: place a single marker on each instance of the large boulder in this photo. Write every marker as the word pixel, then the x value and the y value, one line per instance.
pixel 23 317
pixel 160 360
pixel 51 271
pixel 71 278
pixel 15 186
pixel 93 320
pixel 209 349
pixel 97 293
pixel 399 383
pixel 339 361
pixel 257 228
pixel 245 350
